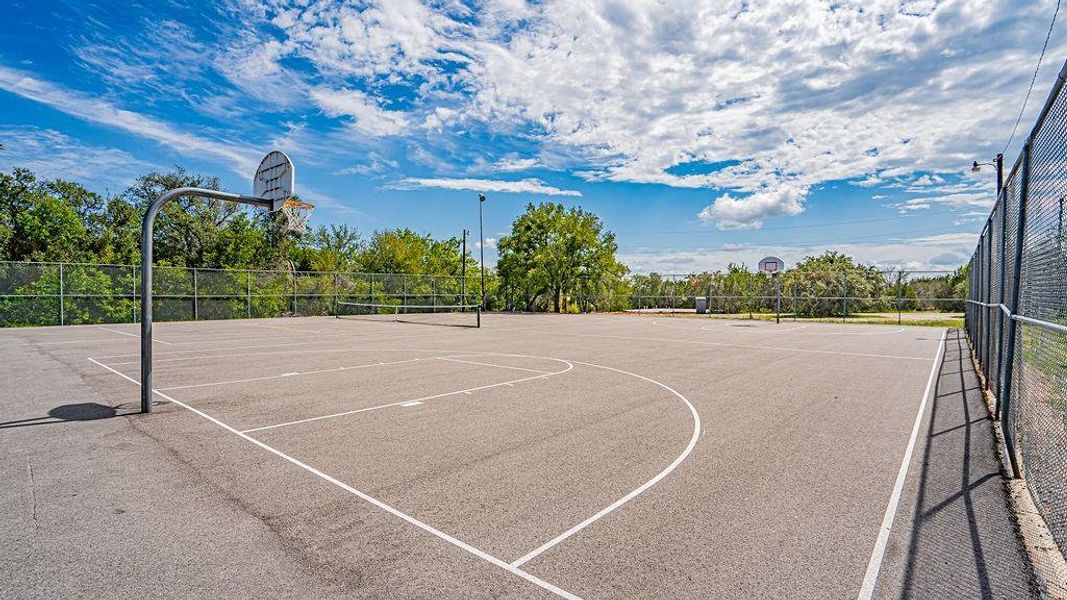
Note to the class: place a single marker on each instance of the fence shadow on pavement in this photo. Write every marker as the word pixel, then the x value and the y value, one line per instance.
pixel 962 540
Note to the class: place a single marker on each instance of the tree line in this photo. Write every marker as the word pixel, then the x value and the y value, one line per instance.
pixel 554 258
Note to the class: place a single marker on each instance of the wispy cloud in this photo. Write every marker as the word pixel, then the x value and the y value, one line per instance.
pixel 523 186
pixel 52 154
pixel 96 110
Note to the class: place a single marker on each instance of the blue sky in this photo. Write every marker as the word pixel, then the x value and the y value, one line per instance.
pixel 701 132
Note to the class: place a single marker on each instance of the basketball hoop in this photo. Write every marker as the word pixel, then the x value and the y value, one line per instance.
pixel 771 266
pixel 296 215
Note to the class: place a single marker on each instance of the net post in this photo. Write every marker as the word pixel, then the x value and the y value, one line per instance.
pixel 62 300
pixel 479 317
pixel 248 293
pixel 1009 367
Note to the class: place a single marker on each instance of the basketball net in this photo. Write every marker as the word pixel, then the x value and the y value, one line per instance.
pixel 297 216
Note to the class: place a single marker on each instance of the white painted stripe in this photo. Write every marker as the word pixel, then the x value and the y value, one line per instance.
pixel 279 328
pixel 485 364
pixel 176 354
pixel 870 578
pixel 369 499
pixel 720 344
pixel 292 374
pixel 133 335
pixel 402 402
pixel 651 482
pixel 407 404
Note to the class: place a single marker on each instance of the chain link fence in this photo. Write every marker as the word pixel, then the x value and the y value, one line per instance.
pixel 72 293
pixel 892 295
pixel 1017 312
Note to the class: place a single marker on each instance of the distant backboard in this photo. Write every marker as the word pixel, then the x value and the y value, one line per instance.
pixel 771 265
pixel 274 179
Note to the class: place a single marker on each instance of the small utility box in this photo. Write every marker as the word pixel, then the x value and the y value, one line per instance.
pixel 702 305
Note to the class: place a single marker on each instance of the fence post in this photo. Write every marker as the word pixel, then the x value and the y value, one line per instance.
pixel 1009 367
pixel 196 296
pixel 1000 313
pixel 248 293
pixel 980 295
pixel 777 299
pixel 62 299
pixel 844 300
pixel 292 275
pixel 335 276
pixel 794 302
pixel 900 293
pixel 989 300
pixel 136 292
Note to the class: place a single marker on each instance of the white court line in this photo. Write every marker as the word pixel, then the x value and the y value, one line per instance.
pixel 162 357
pixel 286 375
pixel 154 338
pixel 485 364
pixel 402 402
pixel 280 328
pixel 723 344
pixel 378 503
pixel 651 482
pixel 744 329
pixel 870 578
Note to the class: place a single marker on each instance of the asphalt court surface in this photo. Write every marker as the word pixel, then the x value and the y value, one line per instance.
pixel 541 455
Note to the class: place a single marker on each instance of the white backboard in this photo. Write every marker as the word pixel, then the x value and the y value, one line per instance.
pixel 274 178
pixel 771 265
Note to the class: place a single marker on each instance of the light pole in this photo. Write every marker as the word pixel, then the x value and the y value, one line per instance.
pixel 481 243
pixel 998 162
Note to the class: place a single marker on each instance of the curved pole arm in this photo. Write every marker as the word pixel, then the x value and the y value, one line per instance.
pixel 146 269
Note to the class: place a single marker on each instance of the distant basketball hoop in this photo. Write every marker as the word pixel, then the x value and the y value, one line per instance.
pixel 771 266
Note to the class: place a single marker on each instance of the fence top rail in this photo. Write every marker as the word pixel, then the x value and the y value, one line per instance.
pixel 1029 320
pixel 470 276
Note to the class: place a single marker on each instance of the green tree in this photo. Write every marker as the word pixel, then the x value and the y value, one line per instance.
pixel 186 230
pixel 554 253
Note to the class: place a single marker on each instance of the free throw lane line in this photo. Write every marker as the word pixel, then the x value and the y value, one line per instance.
pixel 369 499
pixel 870 578
pixel 403 402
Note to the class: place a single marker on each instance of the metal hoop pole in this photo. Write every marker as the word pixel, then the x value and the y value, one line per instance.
pixel 146 271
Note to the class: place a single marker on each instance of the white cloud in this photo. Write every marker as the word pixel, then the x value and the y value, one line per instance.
pixel 523 186
pixel 729 212
pixel 370 119
pixel 799 92
pixel 96 110
pixel 961 200
pixel 514 164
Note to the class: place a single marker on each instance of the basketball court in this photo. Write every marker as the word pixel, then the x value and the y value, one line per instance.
pixel 540 455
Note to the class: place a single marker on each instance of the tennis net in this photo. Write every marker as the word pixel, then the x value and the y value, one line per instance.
pixel 452 315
